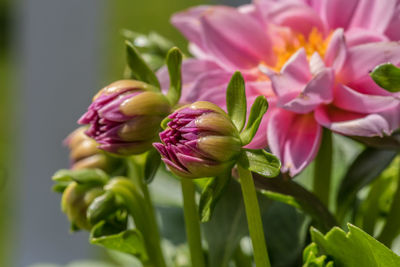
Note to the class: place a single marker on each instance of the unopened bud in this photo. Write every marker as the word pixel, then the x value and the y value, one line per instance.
pixel 200 141
pixel 125 117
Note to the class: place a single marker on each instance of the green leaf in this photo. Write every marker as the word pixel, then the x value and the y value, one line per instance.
pixel 129 241
pixel 83 176
pixel 236 100
pixel 354 249
pixel 261 162
pixel 367 166
pixel 387 76
pixel 287 199
pixel 174 62
pixel 80 263
pixel 257 112
pixel 211 194
pixel 164 123
pixel 153 160
pixel 139 67
pixel 227 226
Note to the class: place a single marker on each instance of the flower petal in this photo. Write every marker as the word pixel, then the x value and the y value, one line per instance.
pixel 293 14
pixel 236 39
pixel 358 36
pixel 336 52
pixel 294 138
pixel 362 59
pixel 188 22
pixel 357 124
pixel 374 15
pixel 349 99
pixel 293 77
pixel 338 13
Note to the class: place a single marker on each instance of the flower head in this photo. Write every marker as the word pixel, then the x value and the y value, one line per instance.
pixel 200 141
pixel 311 60
pixel 125 117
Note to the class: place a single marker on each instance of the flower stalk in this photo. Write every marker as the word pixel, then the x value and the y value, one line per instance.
pixel 192 223
pixel 253 218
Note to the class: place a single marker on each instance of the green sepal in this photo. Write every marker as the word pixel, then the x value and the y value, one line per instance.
pixel 260 161
pixel 128 241
pixel 140 70
pixel 211 194
pixel 354 249
pixel 59 187
pixel 83 176
pixel 164 123
pixel 257 112
pixel 387 76
pixel 236 100
pixel 174 63
pixel 153 161
pixel 101 207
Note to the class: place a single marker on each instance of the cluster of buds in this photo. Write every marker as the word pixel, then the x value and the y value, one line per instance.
pixel 125 117
pixel 200 141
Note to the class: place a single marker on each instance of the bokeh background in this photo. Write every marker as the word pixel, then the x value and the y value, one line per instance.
pixel 54 55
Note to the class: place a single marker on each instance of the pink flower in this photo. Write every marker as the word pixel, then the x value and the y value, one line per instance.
pixel 310 58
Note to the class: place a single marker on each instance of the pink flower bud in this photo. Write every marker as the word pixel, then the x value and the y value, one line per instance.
pixel 125 117
pixel 200 141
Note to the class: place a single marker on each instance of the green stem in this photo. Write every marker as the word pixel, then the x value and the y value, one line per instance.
pixel 253 218
pixel 392 227
pixel 192 223
pixel 151 231
pixel 323 168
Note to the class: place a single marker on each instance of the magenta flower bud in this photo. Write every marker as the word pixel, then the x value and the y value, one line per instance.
pixel 125 117
pixel 200 141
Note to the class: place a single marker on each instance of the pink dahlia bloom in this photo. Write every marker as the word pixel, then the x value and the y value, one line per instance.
pixel 310 58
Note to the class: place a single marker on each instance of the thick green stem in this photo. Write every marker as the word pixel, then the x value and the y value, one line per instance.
pixel 192 223
pixel 254 218
pixel 151 231
pixel 323 168
pixel 392 227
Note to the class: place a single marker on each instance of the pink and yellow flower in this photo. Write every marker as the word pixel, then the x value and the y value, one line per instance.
pixel 310 58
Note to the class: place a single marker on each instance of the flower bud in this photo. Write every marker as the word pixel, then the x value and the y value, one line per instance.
pixel 84 152
pixel 75 201
pixel 200 141
pixel 125 117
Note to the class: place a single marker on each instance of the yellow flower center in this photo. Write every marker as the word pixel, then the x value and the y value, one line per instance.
pixel 315 42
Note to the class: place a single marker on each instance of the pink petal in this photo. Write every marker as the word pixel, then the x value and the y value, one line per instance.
pixel 357 124
pixel 374 15
pixel 338 13
pixel 349 99
pixel 336 52
pixel 235 39
pixel 293 77
pixel 188 22
pixel 192 69
pixel 209 86
pixel 293 14
pixel 317 91
pixel 294 138
pixel 358 36
pixel 362 59
pixel 392 31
